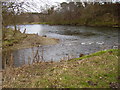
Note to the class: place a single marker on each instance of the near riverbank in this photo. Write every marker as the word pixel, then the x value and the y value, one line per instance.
pixel 98 70
pixel 17 40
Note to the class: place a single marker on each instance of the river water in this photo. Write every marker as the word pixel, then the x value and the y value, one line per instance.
pixel 74 40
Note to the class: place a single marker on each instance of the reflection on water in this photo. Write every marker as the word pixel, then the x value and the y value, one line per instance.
pixel 74 40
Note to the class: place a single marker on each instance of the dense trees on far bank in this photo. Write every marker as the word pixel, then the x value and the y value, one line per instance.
pixel 92 14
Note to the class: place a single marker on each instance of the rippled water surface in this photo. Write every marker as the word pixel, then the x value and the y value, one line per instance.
pixel 74 40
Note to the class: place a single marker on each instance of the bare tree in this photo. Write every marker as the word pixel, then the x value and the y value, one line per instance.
pixel 10 11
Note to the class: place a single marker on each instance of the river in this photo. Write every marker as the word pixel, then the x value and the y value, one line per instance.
pixel 74 40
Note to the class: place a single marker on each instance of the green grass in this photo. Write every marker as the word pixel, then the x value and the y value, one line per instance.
pixel 94 54
pixel 97 70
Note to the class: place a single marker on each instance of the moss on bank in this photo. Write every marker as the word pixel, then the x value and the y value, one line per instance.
pixel 98 70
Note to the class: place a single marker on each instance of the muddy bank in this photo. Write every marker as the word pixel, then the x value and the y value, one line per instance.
pixel 33 40
pixel 16 40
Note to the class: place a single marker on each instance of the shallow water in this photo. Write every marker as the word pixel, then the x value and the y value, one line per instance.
pixel 74 40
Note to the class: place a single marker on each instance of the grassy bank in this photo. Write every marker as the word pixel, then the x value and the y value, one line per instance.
pixel 17 40
pixel 98 70
pixel 83 23
pixel 95 24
